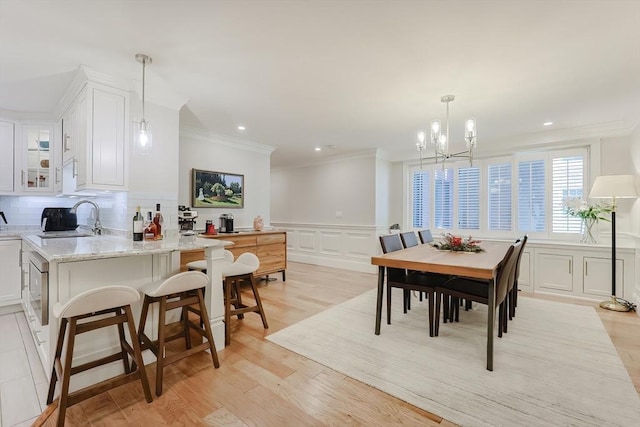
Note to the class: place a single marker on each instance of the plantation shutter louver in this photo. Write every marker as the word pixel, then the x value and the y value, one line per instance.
pixel 499 204
pixel 469 198
pixel 531 196
pixel 443 198
pixel 567 182
pixel 421 199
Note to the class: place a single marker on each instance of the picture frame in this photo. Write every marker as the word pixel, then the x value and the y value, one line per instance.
pixel 210 189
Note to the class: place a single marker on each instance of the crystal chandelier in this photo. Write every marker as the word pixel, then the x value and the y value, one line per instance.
pixel 440 139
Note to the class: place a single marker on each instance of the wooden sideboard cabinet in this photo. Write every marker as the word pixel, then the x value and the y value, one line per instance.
pixel 269 246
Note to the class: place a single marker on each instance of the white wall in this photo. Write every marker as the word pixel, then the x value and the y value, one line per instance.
pixel 318 193
pixel 201 150
pixel 153 177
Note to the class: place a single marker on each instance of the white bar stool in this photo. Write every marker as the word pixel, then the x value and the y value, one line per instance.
pixel 234 274
pixel 180 291
pixel 102 301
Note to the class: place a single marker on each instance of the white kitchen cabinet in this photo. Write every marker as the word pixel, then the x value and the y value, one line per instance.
pixel 95 134
pixel 596 276
pixel 40 169
pixel 7 148
pixel 70 131
pixel 29 163
pixel 11 281
pixel 554 272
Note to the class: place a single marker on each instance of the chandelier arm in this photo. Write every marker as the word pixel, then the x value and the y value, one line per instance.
pixel 461 154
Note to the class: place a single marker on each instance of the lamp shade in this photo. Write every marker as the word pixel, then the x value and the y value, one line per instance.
pixel 618 186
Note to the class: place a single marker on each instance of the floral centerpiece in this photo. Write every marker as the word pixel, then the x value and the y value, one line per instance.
pixel 458 244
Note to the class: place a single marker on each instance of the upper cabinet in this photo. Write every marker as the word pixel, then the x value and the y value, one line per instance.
pixel 7 158
pixel 41 172
pixel 29 163
pixel 95 138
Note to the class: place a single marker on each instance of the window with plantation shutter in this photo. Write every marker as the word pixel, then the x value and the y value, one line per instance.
pixel 421 199
pixel 520 193
pixel 499 198
pixel 443 198
pixel 531 196
pixel 469 198
pixel 567 181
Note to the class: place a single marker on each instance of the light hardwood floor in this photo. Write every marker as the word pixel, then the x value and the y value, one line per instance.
pixel 260 383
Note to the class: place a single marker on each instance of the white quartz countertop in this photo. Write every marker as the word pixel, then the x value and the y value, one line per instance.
pixel 97 247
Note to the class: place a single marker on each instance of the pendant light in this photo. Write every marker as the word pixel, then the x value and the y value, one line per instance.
pixel 142 135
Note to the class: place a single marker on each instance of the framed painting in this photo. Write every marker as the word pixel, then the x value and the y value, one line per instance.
pixel 217 189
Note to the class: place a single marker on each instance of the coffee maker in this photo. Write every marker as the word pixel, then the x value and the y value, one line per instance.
pixel 226 223
pixel 186 219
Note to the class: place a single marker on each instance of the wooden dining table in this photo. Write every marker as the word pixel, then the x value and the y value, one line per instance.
pixel 476 265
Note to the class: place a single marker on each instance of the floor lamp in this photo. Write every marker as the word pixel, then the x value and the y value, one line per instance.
pixel 614 187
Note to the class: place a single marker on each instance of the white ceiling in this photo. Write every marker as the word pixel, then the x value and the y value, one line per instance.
pixel 353 74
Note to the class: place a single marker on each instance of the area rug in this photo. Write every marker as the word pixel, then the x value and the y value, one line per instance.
pixel 555 367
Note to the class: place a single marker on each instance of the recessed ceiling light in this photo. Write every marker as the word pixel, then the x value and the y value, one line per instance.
pixel 240 127
pixel 318 148
pixel 547 123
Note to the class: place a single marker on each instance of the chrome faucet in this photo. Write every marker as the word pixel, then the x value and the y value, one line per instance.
pixel 97 227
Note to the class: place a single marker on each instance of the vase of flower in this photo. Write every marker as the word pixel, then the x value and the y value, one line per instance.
pixel 588 230
pixel 589 215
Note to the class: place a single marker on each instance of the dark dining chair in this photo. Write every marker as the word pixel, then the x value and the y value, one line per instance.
pixel 409 239
pixel 513 291
pixel 407 280
pixel 425 236
pixel 478 291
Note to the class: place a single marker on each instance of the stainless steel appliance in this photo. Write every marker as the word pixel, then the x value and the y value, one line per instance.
pixel 226 223
pixel 39 286
pixel 58 219
pixel 186 219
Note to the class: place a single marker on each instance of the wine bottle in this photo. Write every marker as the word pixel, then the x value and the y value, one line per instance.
pixel 158 220
pixel 138 226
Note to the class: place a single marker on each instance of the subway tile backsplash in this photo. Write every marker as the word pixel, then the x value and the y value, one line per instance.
pixel 116 209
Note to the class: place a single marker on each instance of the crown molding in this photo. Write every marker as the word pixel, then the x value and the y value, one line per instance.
pixel 229 141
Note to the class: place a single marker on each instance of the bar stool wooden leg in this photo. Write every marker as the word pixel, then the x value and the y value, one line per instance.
pixel 207 327
pixel 161 344
pixel 57 369
pixel 123 351
pixel 256 295
pixel 66 376
pixel 227 310
pixel 238 296
pixel 185 323
pixel 138 354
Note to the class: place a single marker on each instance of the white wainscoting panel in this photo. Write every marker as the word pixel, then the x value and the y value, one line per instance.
pixel 343 246
pixel 306 240
pixel 331 242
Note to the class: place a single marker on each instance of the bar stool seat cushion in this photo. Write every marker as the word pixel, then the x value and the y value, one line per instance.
pixel 202 263
pixel 98 299
pixel 180 282
pixel 246 263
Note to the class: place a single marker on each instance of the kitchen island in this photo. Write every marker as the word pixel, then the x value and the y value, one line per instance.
pixel 82 263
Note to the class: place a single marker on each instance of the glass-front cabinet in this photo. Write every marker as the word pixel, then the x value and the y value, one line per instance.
pixel 40 173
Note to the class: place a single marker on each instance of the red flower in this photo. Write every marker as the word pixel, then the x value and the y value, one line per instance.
pixel 456 241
